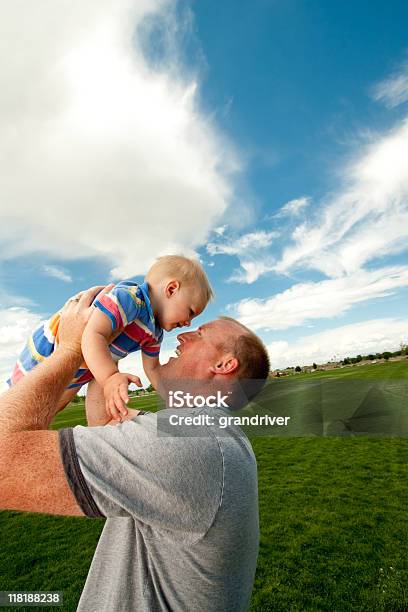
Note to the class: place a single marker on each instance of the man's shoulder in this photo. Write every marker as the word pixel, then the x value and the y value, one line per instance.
pixel 149 434
pixel 182 431
pixel 175 475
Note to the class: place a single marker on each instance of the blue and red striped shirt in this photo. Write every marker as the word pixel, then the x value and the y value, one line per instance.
pixel 128 307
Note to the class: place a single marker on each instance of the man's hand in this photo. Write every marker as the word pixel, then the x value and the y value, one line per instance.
pixel 74 317
pixel 116 394
pixel 132 412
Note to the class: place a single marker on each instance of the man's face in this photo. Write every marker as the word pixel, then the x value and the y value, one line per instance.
pixel 198 351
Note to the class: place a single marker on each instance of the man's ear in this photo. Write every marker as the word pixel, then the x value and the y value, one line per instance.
pixel 225 365
pixel 171 288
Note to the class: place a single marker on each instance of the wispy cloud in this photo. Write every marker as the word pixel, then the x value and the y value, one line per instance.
pixel 8 299
pixel 239 246
pixel 57 272
pixel 365 219
pixel 250 250
pixel 220 231
pixel 348 340
pixel 306 302
pixel 104 137
pixel 393 91
pixel 251 270
pixel 293 207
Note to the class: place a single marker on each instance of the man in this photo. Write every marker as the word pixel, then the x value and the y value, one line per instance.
pixel 182 528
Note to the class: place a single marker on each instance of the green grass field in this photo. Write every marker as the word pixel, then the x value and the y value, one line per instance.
pixel 334 530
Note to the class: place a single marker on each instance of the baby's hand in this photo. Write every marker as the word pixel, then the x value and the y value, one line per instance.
pixel 116 395
pixel 131 413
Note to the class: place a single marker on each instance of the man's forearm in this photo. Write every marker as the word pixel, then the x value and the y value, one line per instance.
pixel 33 402
pixel 95 405
pixel 151 366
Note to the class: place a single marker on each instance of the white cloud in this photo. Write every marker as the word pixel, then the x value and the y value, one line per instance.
pixel 57 272
pixel 220 231
pixel 16 325
pixel 117 158
pixel 366 219
pixel 240 246
pixel 305 302
pixel 8 299
pixel 293 207
pixel 250 250
pixel 340 342
pixel 393 91
pixel 252 269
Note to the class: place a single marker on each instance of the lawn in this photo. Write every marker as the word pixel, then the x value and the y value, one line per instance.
pixel 334 532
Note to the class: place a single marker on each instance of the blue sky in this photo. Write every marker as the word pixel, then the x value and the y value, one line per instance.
pixel 270 138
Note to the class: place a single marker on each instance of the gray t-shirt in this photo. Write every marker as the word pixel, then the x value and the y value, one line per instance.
pixel 182 531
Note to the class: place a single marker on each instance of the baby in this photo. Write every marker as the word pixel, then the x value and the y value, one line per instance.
pixel 129 318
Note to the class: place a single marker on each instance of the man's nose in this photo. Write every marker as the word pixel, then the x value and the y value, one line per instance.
pixel 185 336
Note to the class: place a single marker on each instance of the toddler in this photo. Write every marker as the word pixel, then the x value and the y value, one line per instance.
pixel 129 318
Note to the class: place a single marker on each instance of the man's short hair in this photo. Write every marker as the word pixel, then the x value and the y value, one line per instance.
pixel 183 269
pixel 254 364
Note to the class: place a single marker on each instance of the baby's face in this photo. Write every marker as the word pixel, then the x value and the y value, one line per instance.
pixel 180 308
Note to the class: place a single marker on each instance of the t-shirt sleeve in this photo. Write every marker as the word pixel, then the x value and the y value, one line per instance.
pixel 129 470
pixel 152 347
pixel 123 304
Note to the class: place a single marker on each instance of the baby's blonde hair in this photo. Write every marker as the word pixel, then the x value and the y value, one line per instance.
pixel 183 269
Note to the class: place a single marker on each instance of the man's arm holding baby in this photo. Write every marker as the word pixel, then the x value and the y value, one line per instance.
pixel 32 477
pixel 95 348
pixel 95 406
pixel 151 366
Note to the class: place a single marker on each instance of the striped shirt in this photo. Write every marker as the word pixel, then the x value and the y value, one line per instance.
pixel 127 306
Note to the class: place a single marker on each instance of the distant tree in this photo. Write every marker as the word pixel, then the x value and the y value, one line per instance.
pixel 298 369
pixel 371 357
pixel 314 366
pixel 150 388
pixel 404 348
pixel 359 358
pixel 346 361
pixel 386 355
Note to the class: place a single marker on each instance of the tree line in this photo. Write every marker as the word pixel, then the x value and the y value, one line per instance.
pixel 375 356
